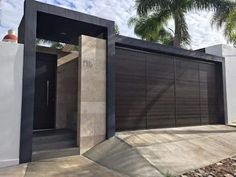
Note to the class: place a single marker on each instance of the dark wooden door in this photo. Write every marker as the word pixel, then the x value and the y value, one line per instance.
pixel 45 91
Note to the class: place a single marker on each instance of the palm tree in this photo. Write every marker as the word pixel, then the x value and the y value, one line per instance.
pixel 226 18
pixel 149 29
pixel 164 10
pixel 117 30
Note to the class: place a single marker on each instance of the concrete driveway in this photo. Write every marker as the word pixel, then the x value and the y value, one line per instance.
pixel 166 151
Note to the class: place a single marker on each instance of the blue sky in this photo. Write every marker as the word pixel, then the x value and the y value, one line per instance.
pixel 11 12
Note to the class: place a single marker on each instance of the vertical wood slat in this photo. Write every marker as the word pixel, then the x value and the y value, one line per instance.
pixel 187 93
pixel 160 91
pixel 130 90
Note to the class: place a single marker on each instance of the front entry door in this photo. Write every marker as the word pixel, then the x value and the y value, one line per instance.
pixel 45 91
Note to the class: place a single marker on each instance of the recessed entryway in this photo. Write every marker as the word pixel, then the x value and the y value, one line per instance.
pixel 56 102
pixel 45 91
pixel 70 98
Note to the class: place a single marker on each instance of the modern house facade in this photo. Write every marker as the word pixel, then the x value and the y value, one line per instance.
pixel 105 83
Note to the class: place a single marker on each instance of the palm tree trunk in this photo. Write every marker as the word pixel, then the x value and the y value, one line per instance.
pixel 177 42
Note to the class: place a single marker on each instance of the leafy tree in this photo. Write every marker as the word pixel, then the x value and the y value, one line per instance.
pixel 147 28
pixel 226 18
pixel 164 10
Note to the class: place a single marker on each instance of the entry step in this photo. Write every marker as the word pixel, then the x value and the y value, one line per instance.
pixel 41 155
pixel 53 139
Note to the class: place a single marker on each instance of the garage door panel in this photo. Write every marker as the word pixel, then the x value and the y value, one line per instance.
pixel 188 121
pixel 132 84
pixel 161 123
pixel 161 98
pixel 207 72
pixel 160 86
pixel 155 113
pixel 160 66
pixel 167 107
pixel 205 120
pixel 130 90
pixel 186 70
pixel 157 90
pixel 136 111
pixel 130 123
pixel 130 63
pixel 133 117
pixel 187 94
pixel 162 106
pixel 208 92
pixel 187 89
pixel 132 105
pixel 160 91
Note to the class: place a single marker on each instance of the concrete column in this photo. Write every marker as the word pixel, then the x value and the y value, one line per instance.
pixel 92 88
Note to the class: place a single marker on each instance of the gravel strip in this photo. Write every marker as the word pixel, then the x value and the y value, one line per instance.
pixel 224 168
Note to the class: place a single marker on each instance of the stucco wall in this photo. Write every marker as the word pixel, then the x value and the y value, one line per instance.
pixel 11 68
pixel 229 53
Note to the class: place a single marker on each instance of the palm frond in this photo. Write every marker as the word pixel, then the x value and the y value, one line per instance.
pixel 230 27
pixel 181 31
pixel 146 6
pixel 117 29
pixel 152 27
pixel 213 4
pixel 221 14
pixel 178 9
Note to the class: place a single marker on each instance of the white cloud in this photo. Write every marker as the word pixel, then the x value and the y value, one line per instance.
pixel 120 11
pixel 201 31
pixel 11 14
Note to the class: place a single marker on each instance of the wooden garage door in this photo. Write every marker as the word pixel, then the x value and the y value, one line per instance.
pixel 160 100
pixel 157 90
pixel 130 91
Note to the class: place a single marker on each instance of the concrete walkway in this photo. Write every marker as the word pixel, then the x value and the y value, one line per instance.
pixel 165 151
pixel 148 153
pixel 74 166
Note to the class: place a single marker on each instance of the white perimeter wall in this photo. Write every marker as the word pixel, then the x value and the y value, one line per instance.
pixel 11 67
pixel 230 73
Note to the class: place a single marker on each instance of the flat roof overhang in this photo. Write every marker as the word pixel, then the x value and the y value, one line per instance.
pixel 56 28
pixel 147 46
pixel 58 24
